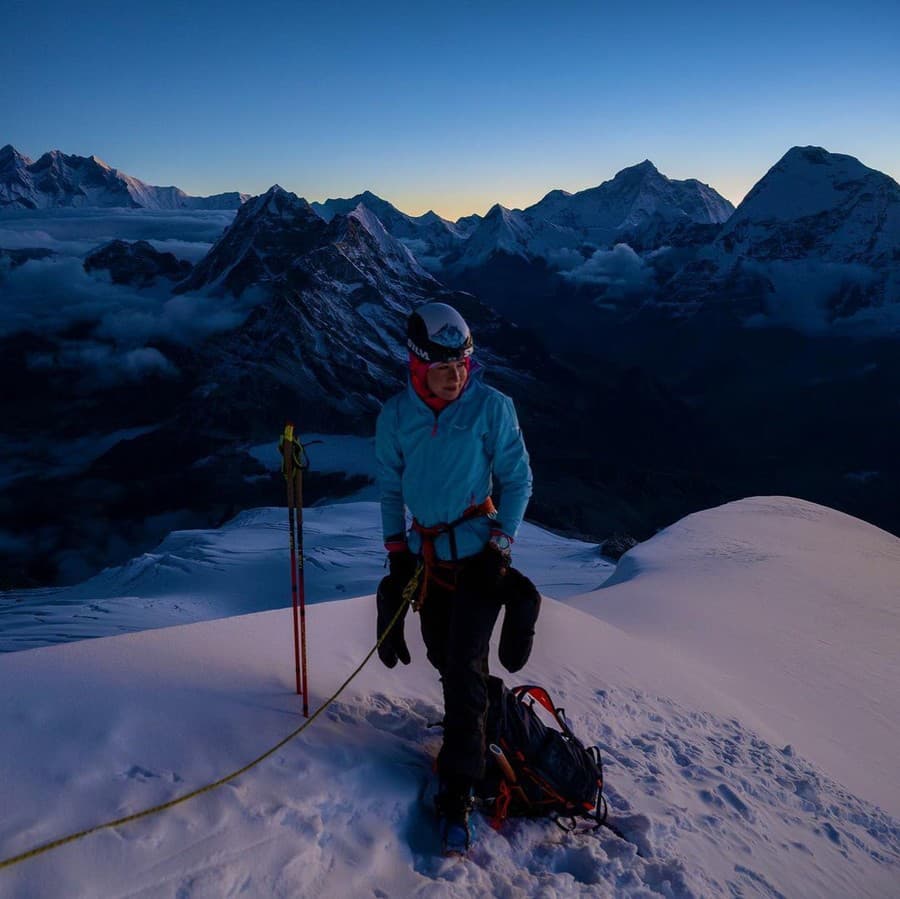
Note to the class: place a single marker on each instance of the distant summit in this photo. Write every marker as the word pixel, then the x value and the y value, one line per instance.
pixel 59 180
pixel 638 198
pixel 816 203
pixel 639 205
pixel 429 237
pixel 815 244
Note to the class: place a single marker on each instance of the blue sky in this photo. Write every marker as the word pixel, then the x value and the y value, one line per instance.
pixel 450 106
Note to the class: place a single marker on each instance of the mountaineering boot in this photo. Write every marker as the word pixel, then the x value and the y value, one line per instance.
pixel 453 804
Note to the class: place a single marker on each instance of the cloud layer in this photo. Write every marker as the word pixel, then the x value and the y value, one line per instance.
pixel 116 325
pixel 620 271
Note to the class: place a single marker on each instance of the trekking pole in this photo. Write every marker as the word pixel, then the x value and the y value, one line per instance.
pixel 301 580
pixel 293 462
pixel 288 469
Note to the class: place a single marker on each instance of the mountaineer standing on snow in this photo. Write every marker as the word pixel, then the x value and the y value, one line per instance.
pixel 444 446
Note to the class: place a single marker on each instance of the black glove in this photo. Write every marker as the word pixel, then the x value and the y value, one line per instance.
pixel 388 599
pixel 402 566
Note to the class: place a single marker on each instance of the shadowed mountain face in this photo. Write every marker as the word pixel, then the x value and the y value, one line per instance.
pixel 137 264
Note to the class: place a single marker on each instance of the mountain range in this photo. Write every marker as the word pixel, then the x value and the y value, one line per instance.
pixel 640 206
pixel 629 314
pixel 814 245
pixel 60 180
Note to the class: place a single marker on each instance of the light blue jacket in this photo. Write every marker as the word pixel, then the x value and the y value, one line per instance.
pixel 440 465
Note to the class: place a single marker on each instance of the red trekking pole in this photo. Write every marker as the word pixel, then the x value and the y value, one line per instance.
pixel 293 462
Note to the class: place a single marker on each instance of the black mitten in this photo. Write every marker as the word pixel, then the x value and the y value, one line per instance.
pixel 402 566
pixel 522 605
pixel 388 599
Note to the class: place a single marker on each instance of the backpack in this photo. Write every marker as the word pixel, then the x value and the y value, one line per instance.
pixel 534 770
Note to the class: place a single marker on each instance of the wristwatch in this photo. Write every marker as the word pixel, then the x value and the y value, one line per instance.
pixel 502 542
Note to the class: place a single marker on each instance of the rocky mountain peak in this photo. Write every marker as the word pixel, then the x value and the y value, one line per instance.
pixel 431 218
pixel 275 202
pixel 385 211
pixel 811 155
pixel 497 213
pixel 637 172
pixel 556 196
pixel 9 155
pixel 268 233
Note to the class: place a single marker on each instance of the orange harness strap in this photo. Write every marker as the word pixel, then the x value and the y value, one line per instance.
pixel 431 564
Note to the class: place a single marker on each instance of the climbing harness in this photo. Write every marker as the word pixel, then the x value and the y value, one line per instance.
pixel 431 569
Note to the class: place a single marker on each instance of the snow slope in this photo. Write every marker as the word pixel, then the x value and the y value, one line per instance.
pixel 710 804
pixel 796 608
pixel 242 567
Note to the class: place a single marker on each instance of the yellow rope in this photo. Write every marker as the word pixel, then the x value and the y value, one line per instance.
pixel 71 838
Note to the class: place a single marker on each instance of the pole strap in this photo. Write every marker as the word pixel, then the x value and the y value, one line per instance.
pixel 297 458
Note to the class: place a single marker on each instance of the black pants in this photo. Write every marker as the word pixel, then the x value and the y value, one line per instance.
pixel 456 627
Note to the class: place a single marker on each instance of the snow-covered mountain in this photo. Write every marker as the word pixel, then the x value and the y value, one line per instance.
pixel 272 234
pixel 57 179
pixel 511 232
pixel 816 204
pixel 267 235
pixel 398 223
pixel 467 224
pixel 428 236
pixel 360 233
pixel 328 330
pixel 736 672
pixel 814 245
pixel 637 204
